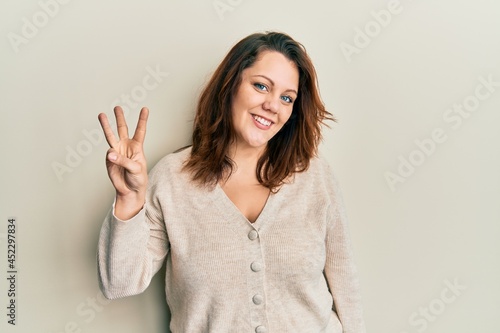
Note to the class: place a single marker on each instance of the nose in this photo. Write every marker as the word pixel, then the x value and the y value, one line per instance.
pixel 271 104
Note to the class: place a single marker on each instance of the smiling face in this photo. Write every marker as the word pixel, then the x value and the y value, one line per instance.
pixel 264 99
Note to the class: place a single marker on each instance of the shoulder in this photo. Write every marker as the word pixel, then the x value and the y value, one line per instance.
pixel 319 165
pixel 318 172
pixel 319 179
pixel 170 165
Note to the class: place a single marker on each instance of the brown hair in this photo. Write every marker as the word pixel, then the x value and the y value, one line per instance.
pixel 290 150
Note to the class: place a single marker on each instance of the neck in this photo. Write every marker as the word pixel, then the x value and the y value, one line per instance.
pixel 246 159
pixel 245 156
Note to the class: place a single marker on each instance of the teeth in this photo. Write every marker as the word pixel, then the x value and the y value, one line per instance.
pixel 262 120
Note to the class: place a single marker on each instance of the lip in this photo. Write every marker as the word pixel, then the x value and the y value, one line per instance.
pixel 259 125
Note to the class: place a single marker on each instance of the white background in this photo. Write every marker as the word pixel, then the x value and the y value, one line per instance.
pixel 437 226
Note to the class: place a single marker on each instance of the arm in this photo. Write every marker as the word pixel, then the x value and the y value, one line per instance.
pixel 340 270
pixel 131 252
pixel 133 241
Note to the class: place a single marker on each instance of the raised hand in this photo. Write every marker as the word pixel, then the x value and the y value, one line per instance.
pixel 126 163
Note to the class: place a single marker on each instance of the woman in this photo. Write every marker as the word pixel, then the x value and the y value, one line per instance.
pixel 249 220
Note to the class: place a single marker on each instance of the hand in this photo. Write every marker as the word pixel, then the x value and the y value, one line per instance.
pixel 126 163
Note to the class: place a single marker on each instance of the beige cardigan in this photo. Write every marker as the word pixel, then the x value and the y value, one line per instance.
pixel 291 270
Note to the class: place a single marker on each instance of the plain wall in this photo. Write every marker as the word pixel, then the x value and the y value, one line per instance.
pixel 415 148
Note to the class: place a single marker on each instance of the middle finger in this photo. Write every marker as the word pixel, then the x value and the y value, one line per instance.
pixel 121 124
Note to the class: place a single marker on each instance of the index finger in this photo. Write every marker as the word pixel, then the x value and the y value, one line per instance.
pixel 108 132
pixel 140 130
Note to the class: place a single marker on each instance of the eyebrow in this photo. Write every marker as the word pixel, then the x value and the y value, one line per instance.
pixel 272 82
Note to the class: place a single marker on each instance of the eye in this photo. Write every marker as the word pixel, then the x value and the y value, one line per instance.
pixel 260 86
pixel 287 99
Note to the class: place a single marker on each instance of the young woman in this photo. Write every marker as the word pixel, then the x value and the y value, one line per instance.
pixel 248 219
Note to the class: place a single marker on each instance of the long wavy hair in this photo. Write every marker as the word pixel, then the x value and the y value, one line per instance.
pixel 290 150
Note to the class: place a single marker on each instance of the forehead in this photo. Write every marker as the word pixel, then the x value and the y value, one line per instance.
pixel 274 65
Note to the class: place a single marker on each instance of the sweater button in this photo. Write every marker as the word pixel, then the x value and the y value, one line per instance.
pixel 260 329
pixel 253 235
pixel 256 266
pixel 257 299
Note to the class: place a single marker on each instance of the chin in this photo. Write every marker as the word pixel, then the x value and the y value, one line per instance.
pixel 256 144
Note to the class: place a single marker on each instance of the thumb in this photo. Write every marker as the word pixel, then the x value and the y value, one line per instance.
pixel 117 159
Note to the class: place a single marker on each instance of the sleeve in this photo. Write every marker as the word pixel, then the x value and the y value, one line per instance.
pixel 131 252
pixel 340 270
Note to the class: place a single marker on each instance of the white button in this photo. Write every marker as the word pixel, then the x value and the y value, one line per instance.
pixel 253 235
pixel 256 266
pixel 260 329
pixel 257 299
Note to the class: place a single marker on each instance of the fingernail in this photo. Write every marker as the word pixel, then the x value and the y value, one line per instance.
pixel 112 157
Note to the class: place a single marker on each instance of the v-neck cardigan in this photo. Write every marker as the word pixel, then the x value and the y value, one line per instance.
pixel 291 270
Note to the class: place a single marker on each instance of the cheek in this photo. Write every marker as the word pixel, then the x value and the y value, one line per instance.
pixel 241 103
pixel 237 108
pixel 237 116
pixel 285 115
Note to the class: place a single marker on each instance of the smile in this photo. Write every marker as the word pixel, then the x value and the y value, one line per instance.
pixel 262 121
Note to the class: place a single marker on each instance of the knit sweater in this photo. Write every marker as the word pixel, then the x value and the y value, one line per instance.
pixel 291 270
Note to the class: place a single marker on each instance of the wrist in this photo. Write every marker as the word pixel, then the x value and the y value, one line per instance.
pixel 127 206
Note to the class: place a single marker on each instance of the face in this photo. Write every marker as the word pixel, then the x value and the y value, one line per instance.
pixel 264 100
